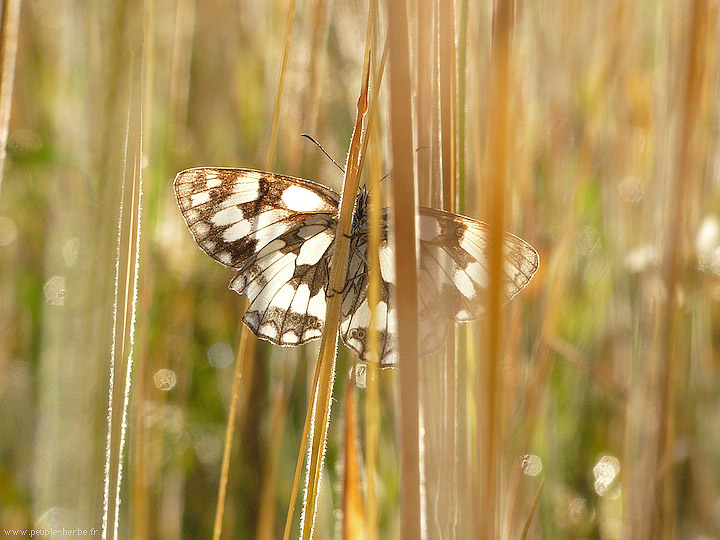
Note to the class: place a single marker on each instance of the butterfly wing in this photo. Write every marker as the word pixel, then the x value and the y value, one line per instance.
pixel 454 268
pixel 452 282
pixel 277 232
pixel 355 309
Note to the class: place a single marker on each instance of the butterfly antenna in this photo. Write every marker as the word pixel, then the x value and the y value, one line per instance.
pixel 383 178
pixel 323 151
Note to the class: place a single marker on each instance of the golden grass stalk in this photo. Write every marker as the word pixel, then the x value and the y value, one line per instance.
pixel 462 24
pixel 372 111
pixel 423 69
pixel 129 316
pixel 325 370
pixel 8 56
pixel 140 494
pixel 281 85
pixel 318 43
pixel 180 60
pixel 299 462
pixel 107 511
pixel 447 503
pixel 497 135
pixel 266 519
pixel 372 392
pixel 531 513
pixel 448 103
pixel 354 522
pixel 403 192
pixel 465 343
pixel 666 340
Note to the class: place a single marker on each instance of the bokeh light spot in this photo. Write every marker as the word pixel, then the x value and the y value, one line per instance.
pixel 220 355
pixel 55 291
pixel 531 465
pixel 605 471
pixel 632 189
pixel 165 379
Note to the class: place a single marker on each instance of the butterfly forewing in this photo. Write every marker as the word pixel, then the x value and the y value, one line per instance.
pixel 277 231
pixel 234 213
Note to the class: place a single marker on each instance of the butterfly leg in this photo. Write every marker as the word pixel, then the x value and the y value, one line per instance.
pixel 348 283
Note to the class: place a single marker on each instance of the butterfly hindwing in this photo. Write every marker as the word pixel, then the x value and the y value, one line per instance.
pixel 286 284
pixel 277 231
pixel 355 310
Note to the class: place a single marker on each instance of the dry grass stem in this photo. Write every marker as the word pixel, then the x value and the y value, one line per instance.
pixel 354 522
pixel 8 57
pixel 325 371
pixel 403 226
pixel 497 144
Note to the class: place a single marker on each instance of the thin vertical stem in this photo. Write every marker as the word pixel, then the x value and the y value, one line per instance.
pixel 447 504
pixel 372 394
pixel 321 399
pixel 229 431
pixel 245 337
pixel 674 253
pixel 404 197
pixel 281 84
pixel 497 139
pixel 130 301
pixel 266 520
pixel 8 50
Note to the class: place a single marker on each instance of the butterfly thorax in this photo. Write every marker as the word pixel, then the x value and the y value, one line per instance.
pixel 360 215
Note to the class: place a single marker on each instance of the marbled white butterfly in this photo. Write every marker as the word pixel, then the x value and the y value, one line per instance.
pixel 278 231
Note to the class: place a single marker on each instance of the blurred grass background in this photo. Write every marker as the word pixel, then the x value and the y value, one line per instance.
pixel 610 392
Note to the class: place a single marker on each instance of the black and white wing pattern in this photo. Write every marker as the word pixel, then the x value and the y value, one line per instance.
pixel 355 310
pixel 277 232
pixel 452 281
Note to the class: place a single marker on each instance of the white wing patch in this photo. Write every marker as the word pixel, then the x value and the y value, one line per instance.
pixel 227 216
pixel 300 199
pixel 387 263
pixel 199 198
pixel 314 248
pixel 225 257
pixel 464 284
pixel 237 231
pixel 301 299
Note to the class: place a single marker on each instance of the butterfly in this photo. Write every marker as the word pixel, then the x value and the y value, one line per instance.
pixel 278 233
